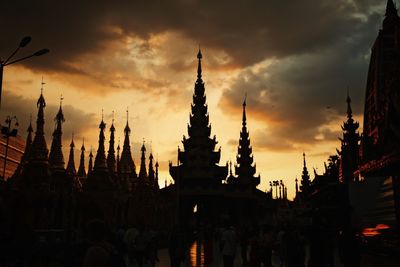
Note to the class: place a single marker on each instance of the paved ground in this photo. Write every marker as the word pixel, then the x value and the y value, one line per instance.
pixel 196 259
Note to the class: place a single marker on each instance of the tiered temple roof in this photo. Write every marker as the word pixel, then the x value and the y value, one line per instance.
pixel 198 162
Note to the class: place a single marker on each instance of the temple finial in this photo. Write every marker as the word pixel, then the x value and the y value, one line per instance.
pixel 30 129
pixel 390 8
pixel 113 114
pixel 199 57
pixel 349 110
pixel 61 99
pixel 41 88
pixel 244 111
pixel 304 159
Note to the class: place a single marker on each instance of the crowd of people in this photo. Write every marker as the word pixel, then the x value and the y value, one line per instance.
pixel 251 246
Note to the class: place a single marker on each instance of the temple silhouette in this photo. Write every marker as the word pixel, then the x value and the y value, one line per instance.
pixel 60 197
pixel 356 195
pixel 362 179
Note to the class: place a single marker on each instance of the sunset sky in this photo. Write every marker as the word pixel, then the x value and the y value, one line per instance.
pixel 294 59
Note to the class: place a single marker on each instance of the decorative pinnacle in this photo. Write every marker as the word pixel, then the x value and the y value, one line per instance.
pixel 199 56
pixel 41 89
pixel 72 140
pixel 244 111
pixel 61 99
pixel 390 8
pixel 127 130
pixel 349 111
pixel 304 159
pixel 102 124
pixel 143 147
pixel 41 102
pixel 30 129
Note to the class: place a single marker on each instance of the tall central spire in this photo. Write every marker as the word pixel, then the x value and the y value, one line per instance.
pixel 244 112
pixel 199 145
pixel 56 157
pixel 199 57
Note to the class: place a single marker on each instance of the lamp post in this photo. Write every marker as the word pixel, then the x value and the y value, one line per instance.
pixel 7 132
pixel 24 42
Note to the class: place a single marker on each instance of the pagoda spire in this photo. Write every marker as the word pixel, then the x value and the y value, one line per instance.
pixel 38 150
pixel 56 157
pixel 349 154
pixel 29 137
pixel 151 170
pixel 111 163
pixel 71 161
pixel 28 144
pixel 118 152
pixel 244 112
pixel 305 177
pixel 245 169
pixel 199 57
pixel 127 166
pixel 143 171
pixel 156 175
pixel 349 110
pixel 81 168
pixel 90 166
pixel 391 9
pixel 199 144
pixel 100 160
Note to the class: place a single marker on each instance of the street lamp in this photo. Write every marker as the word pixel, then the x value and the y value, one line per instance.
pixel 24 42
pixel 7 132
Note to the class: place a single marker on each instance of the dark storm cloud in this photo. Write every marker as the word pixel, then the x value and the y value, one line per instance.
pixel 318 48
pixel 248 31
pixel 299 96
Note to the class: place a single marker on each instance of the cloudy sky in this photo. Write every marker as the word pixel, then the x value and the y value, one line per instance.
pixel 294 59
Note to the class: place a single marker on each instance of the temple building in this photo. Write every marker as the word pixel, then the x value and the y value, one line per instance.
pixel 56 195
pixel 202 195
pixel 379 164
pixel 363 180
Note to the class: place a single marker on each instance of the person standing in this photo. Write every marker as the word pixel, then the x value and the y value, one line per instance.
pixel 229 244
